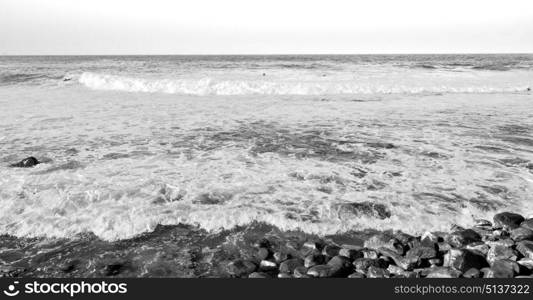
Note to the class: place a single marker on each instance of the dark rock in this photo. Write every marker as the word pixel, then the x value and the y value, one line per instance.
pixel 266 266
pixel 26 163
pixel 321 271
pixel 498 252
pixel 241 267
pixel 280 256
pixel 331 250
pixel 421 253
pixel 525 248
pixel 527 224
pixel 289 265
pixel 313 246
pixel 263 243
pixel 406 263
pixel 462 260
pixel 349 211
pixel 385 241
pixel 115 269
pixel 262 253
pixel 443 272
pixel 314 259
pixel 352 254
pixel 504 268
pixel 300 272
pixel 508 220
pixel 340 266
pixel 462 237
pixel 259 275
pixel 375 272
pixel 521 233
pixel 472 273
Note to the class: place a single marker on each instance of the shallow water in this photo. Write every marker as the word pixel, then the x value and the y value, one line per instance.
pixel 129 143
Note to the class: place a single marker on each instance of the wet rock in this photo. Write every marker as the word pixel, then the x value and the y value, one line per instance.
pixel 356 275
pixel 385 241
pixel 348 211
pixel 266 266
pixel 478 247
pixel 320 271
pixel 521 233
pixel 362 264
pixel 259 275
pixel 331 250
pixel 429 239
pixel 462 237
pixel 526 263
pixel 314 259
pixel 240 268
pixel 284 275
pixel 525 248
pixel 368 253
pixel 340 266
pixel 352 254
pixel 504 243
pixel 313 246
pixel 443 247
pixel 499 252
pixel 482 223
pixel 502 269
pixel 263 243
pixel 26 163
pixel 472 273
pixel 393 269
pixel 527 224
pixel 508 220
pixel 375 272
pixel 421 253
pixel 462 260
pixel 406 263
pixel 300 272
pixel 280 256
pixel 262 253
pixel 443 272
pixel 435 262
pixel 289 265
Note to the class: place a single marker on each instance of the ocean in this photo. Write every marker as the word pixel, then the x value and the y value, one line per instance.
pixel 158 161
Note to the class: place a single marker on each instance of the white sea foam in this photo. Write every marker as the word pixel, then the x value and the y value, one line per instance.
pixel 306 86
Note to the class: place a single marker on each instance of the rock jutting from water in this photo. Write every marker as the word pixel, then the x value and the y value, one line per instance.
pixel 499 249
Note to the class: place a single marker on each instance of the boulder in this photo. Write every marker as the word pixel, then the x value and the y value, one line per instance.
pixel 262 253
pixel 352 254
pixel 300 272
pixel 356 275
pixel 462 260
pixel 498 252
pixel 525 248
pixel 406 263
pixel 280 256
pixel 28 162
pixel 266 266
pixel 340 266
pixel 375 272
pixel 478 247
pixel 331 250
pixel 369 253
pixel 362 264
pixel 463 237
pixel 385 241
pixel 508 220
pixel 503 268
pixel 320 271
pixel 527 224
pixel 521 233
pixel 421 253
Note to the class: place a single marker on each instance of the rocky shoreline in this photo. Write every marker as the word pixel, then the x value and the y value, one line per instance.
pixel 499 249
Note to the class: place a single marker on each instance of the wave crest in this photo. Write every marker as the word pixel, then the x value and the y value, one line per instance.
pixel 211 86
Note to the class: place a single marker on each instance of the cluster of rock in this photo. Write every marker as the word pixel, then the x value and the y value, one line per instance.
pixel 502 249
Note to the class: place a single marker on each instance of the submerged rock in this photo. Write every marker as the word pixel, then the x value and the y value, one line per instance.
pixel 508 220
pixel 26 163
pixel 347 211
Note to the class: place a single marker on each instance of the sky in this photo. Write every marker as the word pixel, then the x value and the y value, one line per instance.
pixel 61 27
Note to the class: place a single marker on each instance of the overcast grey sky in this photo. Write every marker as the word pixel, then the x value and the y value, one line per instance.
pixel 263 27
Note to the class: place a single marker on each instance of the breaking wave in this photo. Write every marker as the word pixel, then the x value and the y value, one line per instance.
pixel 332 86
